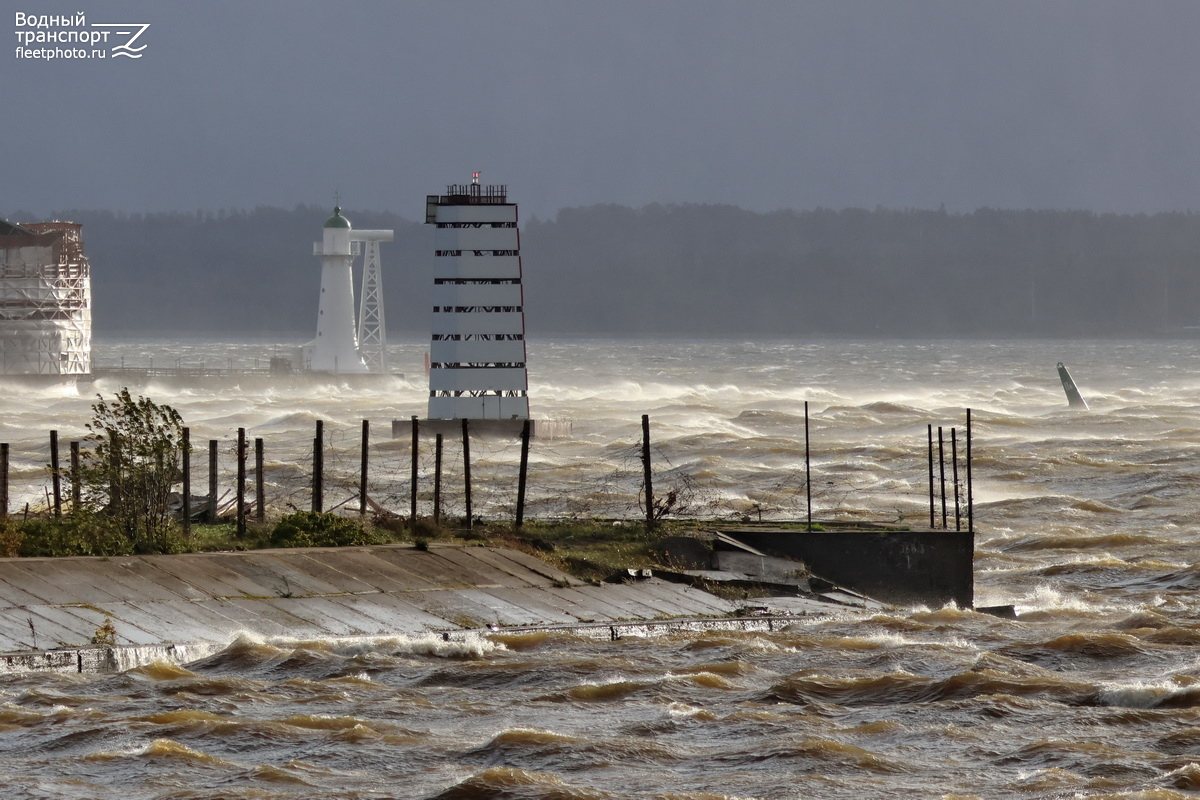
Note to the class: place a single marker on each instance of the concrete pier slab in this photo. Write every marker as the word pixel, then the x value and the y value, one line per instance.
pixel 175 607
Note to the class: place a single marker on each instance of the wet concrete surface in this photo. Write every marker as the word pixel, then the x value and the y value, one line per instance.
pixel 54 611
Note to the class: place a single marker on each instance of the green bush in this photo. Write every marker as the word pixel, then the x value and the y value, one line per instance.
pixel 310 529
pixel 10 539
pixel 131 467
pixel 74 535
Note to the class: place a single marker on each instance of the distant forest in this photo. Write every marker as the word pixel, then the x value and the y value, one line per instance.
pixel 689 270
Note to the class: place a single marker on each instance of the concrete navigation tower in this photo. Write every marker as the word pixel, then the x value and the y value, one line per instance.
pixel 342 346
pixel 477 353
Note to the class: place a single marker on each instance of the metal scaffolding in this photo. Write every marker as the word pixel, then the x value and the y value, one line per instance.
pixel 372 329
pixel 45 300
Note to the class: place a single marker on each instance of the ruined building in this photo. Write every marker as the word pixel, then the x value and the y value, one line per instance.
pixel 45 300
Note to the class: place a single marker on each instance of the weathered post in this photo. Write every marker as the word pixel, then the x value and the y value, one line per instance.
pixel 362 479
pixel 942 472
pixel 954 463
pixel 931 502
pixel 970 495
pixel 318 485
pixel 186 444
pixel 260 494
pixel 114 462
pixel 646 478
pixel 212 481
pixel 807 469
pixel 241 482
pixel 412 512
pixel 3 480
pixel 55 477
pixel 521 478
pixel 467 471
pixel 75 487
pixel 437 480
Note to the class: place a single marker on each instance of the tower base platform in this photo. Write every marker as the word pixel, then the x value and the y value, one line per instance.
pixel 488 428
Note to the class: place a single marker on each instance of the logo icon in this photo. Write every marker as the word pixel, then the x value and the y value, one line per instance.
pixel 126 29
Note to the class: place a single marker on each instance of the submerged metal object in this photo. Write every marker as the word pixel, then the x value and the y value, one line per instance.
pixel 1074 398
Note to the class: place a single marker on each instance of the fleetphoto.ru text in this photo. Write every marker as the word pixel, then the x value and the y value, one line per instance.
pixel 52 36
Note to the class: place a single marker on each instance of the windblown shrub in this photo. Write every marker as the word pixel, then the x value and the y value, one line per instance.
pixel 80 534
pixel 310 529
pixel 129 471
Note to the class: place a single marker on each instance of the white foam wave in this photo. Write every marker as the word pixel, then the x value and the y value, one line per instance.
pixel 1048 598
pixel 1140 694
pixel 468 645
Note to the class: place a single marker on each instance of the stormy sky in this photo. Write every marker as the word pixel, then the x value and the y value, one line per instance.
pixel 764 104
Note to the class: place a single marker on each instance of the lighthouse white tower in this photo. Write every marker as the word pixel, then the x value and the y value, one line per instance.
pixel 477 353
pixel 336 347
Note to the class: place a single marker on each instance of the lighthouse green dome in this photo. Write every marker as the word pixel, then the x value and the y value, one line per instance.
pixel 337 220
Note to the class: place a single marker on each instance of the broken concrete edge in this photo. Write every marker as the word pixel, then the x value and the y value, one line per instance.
pixel 107 659
pixel 829 594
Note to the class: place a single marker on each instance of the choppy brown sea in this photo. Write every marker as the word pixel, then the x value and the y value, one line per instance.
pixel 1086 523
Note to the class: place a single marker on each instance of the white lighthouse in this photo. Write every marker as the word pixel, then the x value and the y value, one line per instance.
pixel 345 344
pixel 477 352
pixel 336 347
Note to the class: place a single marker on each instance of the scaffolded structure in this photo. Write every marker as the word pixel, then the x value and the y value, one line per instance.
pixel 45 300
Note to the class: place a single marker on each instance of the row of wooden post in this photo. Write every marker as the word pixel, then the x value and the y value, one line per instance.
pixel 56 500
pixel 318 486
pixel 959 501
pixel 437 473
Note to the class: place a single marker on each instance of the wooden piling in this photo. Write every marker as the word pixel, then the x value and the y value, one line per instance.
pixel 437 480
pixel 521 479
pixel 212 481
pixel 55 475
pixel 241 482
pixel 807 469
pixel 76 489
pixel 931 501
pixel 362 475
pixel 647 481
pixel 942 472
pixel 3 480
pixel 260 495
pixel 466 442
pixel 954 463
pixel 970 494
pixel 412 512
pixel 318 478
pixel 186 444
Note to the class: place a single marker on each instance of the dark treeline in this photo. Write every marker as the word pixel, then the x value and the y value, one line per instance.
pixel 241 272
pixel 720 269
pixel 688 270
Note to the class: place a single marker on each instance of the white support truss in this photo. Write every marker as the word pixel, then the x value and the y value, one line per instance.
pixel 372 331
